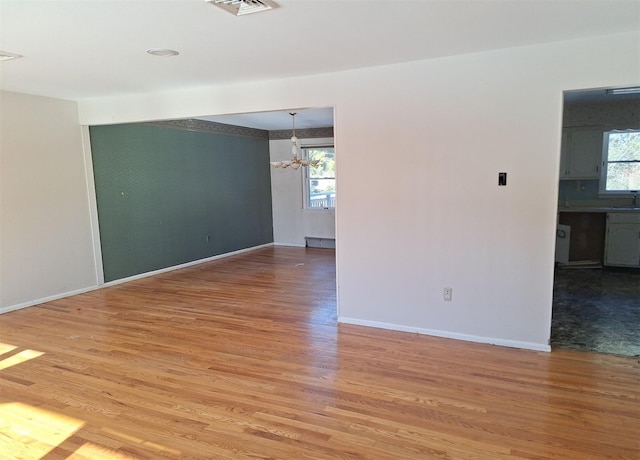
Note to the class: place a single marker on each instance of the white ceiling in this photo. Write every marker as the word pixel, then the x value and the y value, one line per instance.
pixel 320 117
pixel 81 49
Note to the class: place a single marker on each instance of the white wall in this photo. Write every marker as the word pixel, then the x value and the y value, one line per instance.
pixel 46 246
pixel 291 222
pixel 436 133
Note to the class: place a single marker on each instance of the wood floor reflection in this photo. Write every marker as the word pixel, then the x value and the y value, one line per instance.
pixel 242 358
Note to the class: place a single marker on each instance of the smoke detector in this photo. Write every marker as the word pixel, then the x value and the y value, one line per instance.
pixel 241 7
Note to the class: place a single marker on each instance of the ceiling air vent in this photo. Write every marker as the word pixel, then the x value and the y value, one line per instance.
pixel 240 7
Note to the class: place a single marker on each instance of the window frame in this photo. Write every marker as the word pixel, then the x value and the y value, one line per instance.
pixel 605 165
pixel 306 180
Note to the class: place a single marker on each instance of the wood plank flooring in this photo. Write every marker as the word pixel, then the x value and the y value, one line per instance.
pixel 242 358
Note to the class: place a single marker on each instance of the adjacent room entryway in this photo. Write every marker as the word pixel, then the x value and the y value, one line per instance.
pixel 596 296
pixel 596 309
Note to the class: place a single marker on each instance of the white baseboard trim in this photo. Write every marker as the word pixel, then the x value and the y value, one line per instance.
pixel 292 245
pixel 447 335
pixel 185 265
pixel 42 300
pixel 31 303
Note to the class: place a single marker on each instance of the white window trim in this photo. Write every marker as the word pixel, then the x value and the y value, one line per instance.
pixel 602 188
pixel 305 179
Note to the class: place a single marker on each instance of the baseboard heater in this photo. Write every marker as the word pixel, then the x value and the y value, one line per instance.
pixel 315 242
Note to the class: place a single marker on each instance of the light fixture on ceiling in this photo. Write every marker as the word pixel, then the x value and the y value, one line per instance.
pixel 162 52
pixel 241 7
pixel 5 56
pixel 619 91
pixel 295 162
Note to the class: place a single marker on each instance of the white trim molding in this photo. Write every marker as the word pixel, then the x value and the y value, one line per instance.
pixel 447 335
pixel 292 245
pixel 32 303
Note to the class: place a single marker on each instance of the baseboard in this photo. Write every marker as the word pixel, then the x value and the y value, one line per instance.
pixel 292 245
pixel 447 335
pixel 31 303
pixel 42 300
pixel 320 242
pixel 185 265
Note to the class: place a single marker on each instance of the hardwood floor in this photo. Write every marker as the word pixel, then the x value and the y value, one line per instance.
pixel 243 358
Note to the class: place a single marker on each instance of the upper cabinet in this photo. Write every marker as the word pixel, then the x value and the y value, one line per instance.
pixel 581 153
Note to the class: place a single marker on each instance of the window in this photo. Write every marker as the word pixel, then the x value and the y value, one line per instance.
pixel 320 181
pixel 621 161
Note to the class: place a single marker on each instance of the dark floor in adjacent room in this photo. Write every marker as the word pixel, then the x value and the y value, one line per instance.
pixel 597 309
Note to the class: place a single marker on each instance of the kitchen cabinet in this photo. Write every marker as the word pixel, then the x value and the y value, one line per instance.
pixel 587 235
pixel 581 153
pixel 622 240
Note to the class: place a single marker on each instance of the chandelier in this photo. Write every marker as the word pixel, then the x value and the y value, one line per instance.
pixel 295 162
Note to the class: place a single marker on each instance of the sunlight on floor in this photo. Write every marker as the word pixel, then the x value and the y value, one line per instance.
pixel 5 348
pixel 136 440
pixel 90 451
pixel 24 355
pixel 30 432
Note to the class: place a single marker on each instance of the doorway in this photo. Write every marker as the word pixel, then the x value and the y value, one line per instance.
pixel 596 306
pixel 295 218
pixel 202 188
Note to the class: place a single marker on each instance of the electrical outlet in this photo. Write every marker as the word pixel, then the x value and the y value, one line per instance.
pixel 448 293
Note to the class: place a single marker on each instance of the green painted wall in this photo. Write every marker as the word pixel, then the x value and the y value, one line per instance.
pixel 168 196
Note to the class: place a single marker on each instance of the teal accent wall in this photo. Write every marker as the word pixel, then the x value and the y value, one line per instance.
pixel 168 196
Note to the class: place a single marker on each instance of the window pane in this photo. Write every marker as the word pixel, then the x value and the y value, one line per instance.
pixel 327 162
pixel 623 176
pixel 321 184
pixel 624 146
pixel 322 193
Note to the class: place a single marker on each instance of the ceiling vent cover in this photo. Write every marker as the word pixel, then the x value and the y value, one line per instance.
pixel 240 7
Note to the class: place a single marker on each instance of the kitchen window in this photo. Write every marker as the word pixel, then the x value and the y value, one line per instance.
pixel 621 162
pixel 320 181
